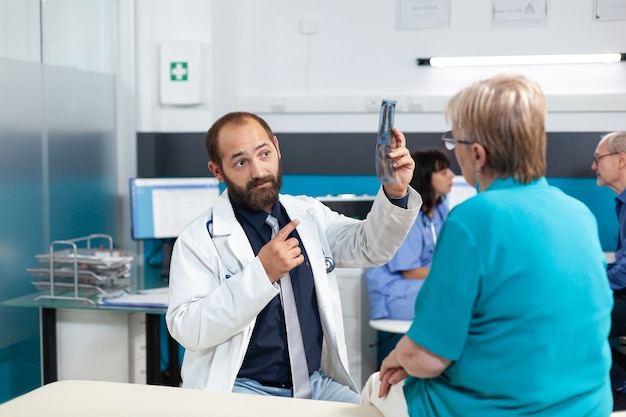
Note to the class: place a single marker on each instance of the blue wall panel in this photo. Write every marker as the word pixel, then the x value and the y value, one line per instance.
pixel 321 185
pixel 600 200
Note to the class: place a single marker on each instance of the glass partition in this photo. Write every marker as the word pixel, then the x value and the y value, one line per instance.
pixel 58 159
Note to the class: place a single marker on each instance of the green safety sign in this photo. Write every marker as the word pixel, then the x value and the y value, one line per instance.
pixel 178 71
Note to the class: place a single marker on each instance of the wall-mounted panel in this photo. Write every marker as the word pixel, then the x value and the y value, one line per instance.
pixel 318 164
pixel 569 154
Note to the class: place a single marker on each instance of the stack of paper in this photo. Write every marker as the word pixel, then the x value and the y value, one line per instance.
pixel 157 298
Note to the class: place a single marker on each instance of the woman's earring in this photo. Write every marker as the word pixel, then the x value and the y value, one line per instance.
pixel 477 182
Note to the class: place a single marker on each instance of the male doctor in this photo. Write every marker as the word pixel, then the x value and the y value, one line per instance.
pixel 234 277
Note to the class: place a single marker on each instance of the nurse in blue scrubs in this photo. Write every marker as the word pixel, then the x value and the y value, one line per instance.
pixel 393 287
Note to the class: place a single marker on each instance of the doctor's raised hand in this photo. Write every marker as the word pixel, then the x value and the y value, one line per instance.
pixel 403 165
pixel 281 254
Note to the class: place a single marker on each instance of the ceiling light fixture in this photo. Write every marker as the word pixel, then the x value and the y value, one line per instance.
pixel 521 60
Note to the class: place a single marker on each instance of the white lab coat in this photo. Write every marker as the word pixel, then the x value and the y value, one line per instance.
pixel 218 287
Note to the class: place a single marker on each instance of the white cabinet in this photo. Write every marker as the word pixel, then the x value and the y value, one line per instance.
pixel 101 345
pixel 92 345
pixel 359 335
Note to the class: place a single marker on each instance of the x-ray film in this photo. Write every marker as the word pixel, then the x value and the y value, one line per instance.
pixel 384 165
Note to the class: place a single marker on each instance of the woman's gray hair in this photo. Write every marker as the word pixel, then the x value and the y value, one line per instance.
pixel 506 114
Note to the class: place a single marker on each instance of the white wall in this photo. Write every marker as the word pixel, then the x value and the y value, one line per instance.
pixel 78 34
pixel 19 30
pixel 155 22
pixel 260 61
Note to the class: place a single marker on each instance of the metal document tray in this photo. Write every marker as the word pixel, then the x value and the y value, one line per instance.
pixel 79 273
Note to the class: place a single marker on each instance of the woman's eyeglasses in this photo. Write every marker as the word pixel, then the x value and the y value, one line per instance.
pixel 450 142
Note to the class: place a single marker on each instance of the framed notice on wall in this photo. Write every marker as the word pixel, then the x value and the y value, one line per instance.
pixel 423 14
pixel 520 13
pixel 609 10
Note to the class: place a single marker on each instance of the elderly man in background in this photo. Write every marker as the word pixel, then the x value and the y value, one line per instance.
pixel 609 163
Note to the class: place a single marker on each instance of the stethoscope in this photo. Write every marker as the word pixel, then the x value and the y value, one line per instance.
pixel 329 262
pixel 431 226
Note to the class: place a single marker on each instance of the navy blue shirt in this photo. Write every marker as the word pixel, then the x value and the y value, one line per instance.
pixel 617 270
pixel 267 357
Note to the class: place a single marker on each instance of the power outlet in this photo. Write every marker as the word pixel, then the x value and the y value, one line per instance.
pixel 278 105
pixel 372 104
pixel 414 104
pixel 308 26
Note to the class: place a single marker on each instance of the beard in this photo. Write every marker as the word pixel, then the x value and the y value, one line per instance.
pixel 257 198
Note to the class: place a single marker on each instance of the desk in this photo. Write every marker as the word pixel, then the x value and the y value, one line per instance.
pixel 391 326
pixel 48 308
pixel 112 399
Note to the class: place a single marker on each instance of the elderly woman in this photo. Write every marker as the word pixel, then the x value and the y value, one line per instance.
pixel 514 316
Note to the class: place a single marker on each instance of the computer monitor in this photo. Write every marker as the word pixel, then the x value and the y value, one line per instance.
pixel 162 207
pixel 349 204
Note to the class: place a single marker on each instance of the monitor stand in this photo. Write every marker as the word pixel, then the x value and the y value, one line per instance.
pixel 166 253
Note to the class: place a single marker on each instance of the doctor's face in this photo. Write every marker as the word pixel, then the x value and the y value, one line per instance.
pixel 250 165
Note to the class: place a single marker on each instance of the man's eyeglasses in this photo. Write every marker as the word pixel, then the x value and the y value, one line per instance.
pixel 597 158
pixel 451 142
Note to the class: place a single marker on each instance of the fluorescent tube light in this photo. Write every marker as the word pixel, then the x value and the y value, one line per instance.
pixel 521 60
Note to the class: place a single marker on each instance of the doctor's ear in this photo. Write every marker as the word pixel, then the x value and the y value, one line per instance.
pixel 275 141
pixel 216 170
